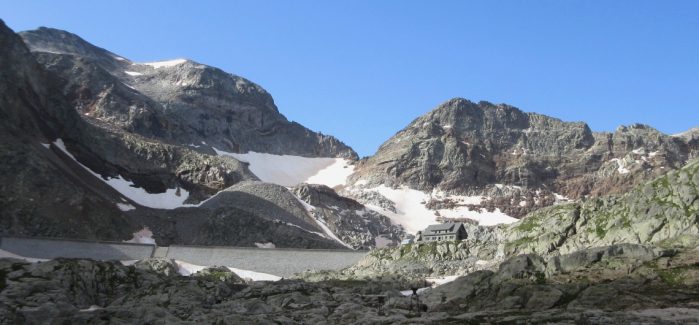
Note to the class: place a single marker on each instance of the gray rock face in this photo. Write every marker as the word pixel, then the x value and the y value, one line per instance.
pixel 182 102
pixel 662 213
pixel 466 148
pixel 617 288
pixel 216 274
pixel 46 192
pixel 348 219
pixel 163 266
pixel 41 193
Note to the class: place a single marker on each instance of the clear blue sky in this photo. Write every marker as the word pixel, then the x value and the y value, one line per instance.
pixel 362 70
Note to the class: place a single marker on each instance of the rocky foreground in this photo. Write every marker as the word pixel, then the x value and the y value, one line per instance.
pixel 614 284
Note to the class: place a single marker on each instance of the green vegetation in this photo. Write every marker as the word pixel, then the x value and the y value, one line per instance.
pixel 528 224
pixel 672 276
pixel 512 246
pixel 540 277
pixel 600 230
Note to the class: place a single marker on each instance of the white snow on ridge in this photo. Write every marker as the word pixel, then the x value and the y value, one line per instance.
pixel 162 64
pixel 171 199
pixel 413 215
pixel 133 73
pixel 287 170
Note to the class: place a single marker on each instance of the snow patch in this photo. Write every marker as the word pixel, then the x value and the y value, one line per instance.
pixel 187 269
pixel 287 170
pixel 413 215
pixel 265 245
pixel 133 73
pixel 92 308
pixel 171 199
pixel 46 145
pixel 125 207
pixel 143 236
pixel 164 64
pixel 620 166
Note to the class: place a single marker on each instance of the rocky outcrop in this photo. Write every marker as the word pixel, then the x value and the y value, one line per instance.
pixel 41 193
pixel 348 219
pixel 51 155
pixel 616 284
pixel 619 285
pixel 180 101
pixel 662 213
pixel 163 266
pixel 470 148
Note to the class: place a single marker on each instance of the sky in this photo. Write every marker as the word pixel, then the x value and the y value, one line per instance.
pixel 362 70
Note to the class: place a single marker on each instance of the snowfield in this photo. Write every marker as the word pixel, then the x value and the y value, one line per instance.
pixel 171 199
pixel 287 170
pixel 413 215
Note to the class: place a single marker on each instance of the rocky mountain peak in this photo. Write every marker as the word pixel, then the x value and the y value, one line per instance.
pixel 58 41
pixel 177 101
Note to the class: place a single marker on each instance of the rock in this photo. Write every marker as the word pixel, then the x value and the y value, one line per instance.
pixel 185 102
pixel 85 291
pixel 163 266
pixel 218 274
pixel 468 148
pixel 351 221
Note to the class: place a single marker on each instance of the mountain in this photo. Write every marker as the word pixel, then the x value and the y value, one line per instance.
pixel 495 163
pixel 159 144
pixel 180 101
pixel 659 215
pixel 91 151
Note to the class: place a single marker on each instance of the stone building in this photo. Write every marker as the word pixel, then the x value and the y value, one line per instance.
pixel 444 231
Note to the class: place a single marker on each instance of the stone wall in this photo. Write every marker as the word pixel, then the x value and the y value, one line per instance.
pixel 49 248
pixel 278 261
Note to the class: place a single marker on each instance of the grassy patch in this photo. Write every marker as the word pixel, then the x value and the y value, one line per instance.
pixel 600 231
pixel 528 224
pixel 672 276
